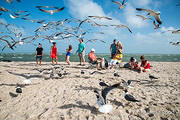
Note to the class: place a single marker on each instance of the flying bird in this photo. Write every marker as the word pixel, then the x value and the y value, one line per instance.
pixel 175 43
pixel 155 25
pixel 178 4
pixel 152 13
pixel 101 98
pixel 144 18
pixel 174 31
pixel 129 97
pixel 10 1
pixel 101 17
pixel 121 5
pixel 121 25
pixel 50 11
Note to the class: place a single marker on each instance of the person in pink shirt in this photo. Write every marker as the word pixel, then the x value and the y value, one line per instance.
pixel 95 60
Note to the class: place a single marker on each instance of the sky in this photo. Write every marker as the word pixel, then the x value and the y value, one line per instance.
pixel 144 38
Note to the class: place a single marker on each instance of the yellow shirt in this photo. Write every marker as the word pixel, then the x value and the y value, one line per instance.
pixel 118 56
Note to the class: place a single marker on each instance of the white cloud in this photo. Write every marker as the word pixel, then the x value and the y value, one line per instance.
pixel 2 20
pixel 132 19
pixel 84 8
pixel 142 3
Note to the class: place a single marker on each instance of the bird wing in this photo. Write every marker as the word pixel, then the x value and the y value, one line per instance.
pixel 117 2
pixel 58 10
pixel 157 17
pixel 125 26
pixel 156 26
pixel 147 10
pixel 106 90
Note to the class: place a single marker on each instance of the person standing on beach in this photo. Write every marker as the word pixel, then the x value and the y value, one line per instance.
pixel 39 53
pixel 113 48
pixel 81 51
pixel 54 53
pixel 119 46
pixel 68 54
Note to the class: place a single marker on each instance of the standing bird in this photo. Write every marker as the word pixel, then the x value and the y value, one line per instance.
pixel 152 13
pixel 127 84
pixel 152 77
pixel 116 74
pixel 129 97
pixel 102 84
pixel 121 5
pixel 18 90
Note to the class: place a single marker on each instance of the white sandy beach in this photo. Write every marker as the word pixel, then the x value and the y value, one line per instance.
pixel 72 98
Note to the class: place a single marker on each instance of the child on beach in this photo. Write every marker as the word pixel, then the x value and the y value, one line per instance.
pixel 117 58
pixel 145 65
pixel 54 53
pixel 68 54
pixel 133 64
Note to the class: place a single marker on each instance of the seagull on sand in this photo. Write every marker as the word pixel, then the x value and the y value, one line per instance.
pixel 101 98
pixel 152 13
pixel 102 84
pixel 50 11
pixel 121 5
pixel 116 74
pixel 129 97
pixel 152 77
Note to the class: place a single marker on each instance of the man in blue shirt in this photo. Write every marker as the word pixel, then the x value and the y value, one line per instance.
pixel 113 48
pixel 81 51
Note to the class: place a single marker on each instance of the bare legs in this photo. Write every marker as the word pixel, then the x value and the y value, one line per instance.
pixel 53 60
pixel 67 60
pixel 81 58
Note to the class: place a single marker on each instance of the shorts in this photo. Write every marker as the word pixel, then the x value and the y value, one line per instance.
pixel 94 62
pixel 113 62
pixel 39 57
pixel 81 54
pixel 68 54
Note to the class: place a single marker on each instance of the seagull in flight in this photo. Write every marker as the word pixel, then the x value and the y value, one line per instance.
pixel 101 98
pixel 123 26
pixel 156 25
pixel 121 5
pixel 152 13
pixel 144 18
pixel 50 11
pixel 175 43
pixel 10 1
pixel 100 17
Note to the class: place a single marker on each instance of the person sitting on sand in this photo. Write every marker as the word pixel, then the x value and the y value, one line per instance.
pixel 117 58
pixel 132 63
pixel 95 60
pixel 39 53
pixel 54 53
pixel 68 54
pixel 145 65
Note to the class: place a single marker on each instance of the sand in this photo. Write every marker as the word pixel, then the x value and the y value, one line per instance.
pixel 72 98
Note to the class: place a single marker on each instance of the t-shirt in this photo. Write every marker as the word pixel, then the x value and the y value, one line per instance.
pixel 81 47
pixel 92 56
pixel 39 51
pixel 113 47
pixel 118 56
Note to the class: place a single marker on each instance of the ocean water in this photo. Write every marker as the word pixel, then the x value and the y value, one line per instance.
pixel 75 58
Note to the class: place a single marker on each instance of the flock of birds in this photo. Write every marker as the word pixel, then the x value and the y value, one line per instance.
pixel 60 31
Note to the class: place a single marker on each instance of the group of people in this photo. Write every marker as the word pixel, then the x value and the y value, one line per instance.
pixel 116 50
